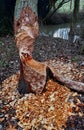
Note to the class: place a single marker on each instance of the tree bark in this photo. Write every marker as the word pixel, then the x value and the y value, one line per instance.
pixel 74 18
pixel 24 3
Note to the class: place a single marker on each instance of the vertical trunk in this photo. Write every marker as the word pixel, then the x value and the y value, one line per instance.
pixel 24 3
pixel 26 31
pixel 74 18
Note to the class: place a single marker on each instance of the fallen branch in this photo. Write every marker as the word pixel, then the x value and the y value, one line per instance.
pixel 74 85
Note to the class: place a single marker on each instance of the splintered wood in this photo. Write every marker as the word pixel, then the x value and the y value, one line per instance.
pixel 48 111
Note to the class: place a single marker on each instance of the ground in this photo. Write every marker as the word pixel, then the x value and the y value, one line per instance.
pixel 56 109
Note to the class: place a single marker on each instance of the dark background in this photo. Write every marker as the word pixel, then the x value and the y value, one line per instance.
pixel 6 16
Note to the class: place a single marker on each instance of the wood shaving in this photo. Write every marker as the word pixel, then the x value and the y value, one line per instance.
pixel 49 110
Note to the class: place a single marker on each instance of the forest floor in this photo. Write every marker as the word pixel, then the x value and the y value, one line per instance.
pixel 46 48
pixel 47 111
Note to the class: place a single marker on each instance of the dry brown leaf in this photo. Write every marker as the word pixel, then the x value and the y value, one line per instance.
pixel 11 127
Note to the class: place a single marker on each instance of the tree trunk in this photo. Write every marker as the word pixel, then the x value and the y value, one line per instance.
pixel 26 31
pixel 74 18
pixel 24 3
pixel 33 74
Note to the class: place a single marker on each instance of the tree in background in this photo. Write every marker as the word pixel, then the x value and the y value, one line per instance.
pixel 54 5
pixel 43 9
pixel 74 17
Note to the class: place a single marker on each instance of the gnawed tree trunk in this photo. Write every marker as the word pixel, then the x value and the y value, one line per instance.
pixel 33 74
